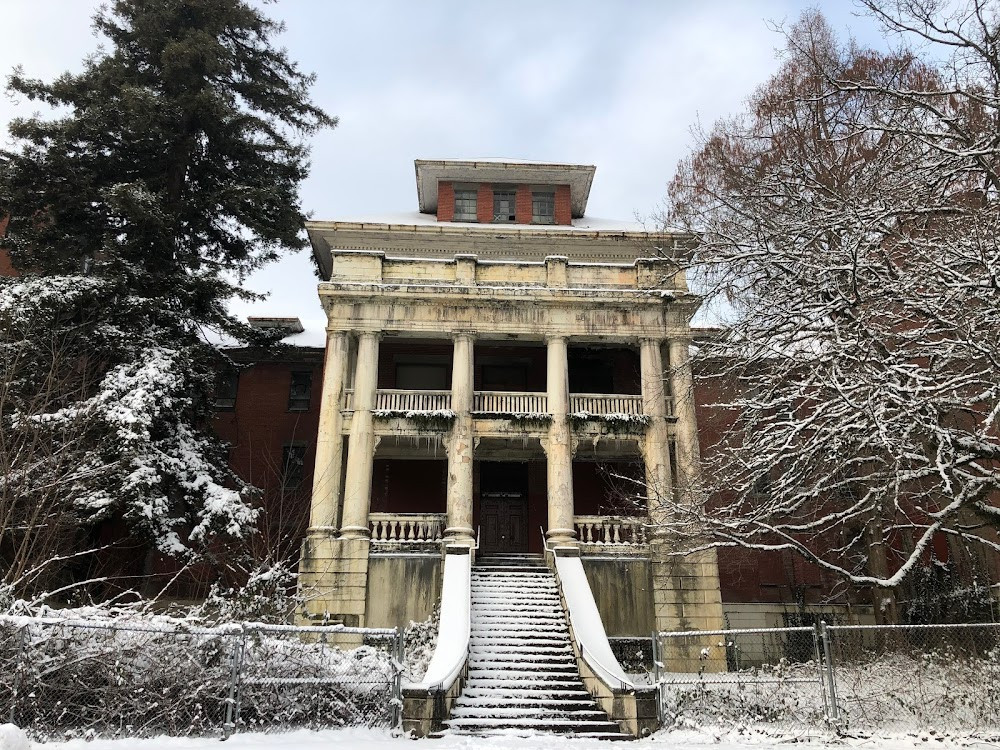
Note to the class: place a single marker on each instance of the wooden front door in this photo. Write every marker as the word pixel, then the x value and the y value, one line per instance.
pixel 503 507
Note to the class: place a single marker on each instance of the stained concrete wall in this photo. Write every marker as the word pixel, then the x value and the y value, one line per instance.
pixel 623 590
pixel 402 588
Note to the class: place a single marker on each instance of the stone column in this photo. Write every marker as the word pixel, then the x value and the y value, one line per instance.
pixel 329 441
pixel 686 594
pixel 361 444
pixel 460 445
pixel 686 428
pixel 559 446
pixel 655 444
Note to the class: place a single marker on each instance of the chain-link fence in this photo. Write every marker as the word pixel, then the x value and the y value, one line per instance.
pixel 847 677
pixel 66 678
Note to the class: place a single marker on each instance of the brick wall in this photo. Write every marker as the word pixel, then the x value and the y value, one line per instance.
pixel 564 214
pixel 522 203
pixel 446 201
pixel 484 205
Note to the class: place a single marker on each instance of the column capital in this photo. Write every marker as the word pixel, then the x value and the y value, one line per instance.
pixel 377 335
pixel 471 335
pixel 552 337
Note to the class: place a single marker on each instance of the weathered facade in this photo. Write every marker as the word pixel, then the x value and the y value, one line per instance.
pixel 501 375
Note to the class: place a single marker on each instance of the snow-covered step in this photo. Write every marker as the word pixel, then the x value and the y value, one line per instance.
pixel 523 676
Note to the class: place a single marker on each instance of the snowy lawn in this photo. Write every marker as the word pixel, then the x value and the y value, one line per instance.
pixel 381 739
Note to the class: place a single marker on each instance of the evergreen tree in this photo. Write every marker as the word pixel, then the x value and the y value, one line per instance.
pixel 134 216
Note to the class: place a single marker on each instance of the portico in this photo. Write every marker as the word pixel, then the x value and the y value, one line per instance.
pixel 505 369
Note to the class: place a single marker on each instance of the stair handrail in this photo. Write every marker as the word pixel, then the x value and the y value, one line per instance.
pixel 608 676
pixel 582 605
pixel 451 652
pixel 545 543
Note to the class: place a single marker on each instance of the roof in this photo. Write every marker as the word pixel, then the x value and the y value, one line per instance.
pixel 579 177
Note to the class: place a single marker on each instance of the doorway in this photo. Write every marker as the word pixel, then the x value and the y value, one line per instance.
pixel 503 507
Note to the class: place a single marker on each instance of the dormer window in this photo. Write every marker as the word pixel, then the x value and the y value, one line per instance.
pixel 503 206
pixel 465 205
pixel 543 208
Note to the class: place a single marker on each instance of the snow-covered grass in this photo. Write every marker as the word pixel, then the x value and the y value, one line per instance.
pixel 381 739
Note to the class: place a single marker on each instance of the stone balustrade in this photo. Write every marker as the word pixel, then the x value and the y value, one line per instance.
pixel 509 402
pixel 602 403
pixel 406 528
pixel 611 531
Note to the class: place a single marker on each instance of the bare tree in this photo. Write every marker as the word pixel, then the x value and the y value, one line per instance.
pixel 848 223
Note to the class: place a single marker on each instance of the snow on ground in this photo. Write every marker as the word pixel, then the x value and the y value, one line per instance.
pixel 381 739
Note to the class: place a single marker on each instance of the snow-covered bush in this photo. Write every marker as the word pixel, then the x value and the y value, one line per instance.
pixel 143 676
pixel 420 638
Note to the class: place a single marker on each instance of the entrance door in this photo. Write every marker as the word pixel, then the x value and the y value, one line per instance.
pixel 503 507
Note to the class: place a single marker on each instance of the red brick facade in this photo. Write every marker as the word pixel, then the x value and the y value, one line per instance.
pixel 446 201
pixel 564 211
pixel 484 204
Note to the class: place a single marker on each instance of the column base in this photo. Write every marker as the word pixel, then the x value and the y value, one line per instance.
pixel 561 537
pixel 460 535
pixel 355 532
pixel 333 579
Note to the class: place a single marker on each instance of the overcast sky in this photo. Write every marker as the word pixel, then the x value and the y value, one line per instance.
pixel 614 83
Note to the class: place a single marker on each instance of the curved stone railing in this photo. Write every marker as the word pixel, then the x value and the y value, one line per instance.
pixel 428 703
pixel 633 708
pixel 406 528
pixel 615 531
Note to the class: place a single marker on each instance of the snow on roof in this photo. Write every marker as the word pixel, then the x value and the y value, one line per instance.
pixel 584 224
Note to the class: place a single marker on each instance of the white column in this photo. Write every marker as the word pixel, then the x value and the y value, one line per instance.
pixel 361 444
pixel 329 441
pixel 460 443
pixel 686 429
pixel 559 447
pixel 656 444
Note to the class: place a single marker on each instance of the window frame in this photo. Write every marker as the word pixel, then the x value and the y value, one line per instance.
pixel 299 403
pixel 509 194
pixel 226 382
pixel 466 194
pixel 293 455
pixel 550 198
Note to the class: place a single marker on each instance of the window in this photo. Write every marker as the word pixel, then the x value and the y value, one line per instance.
pixel 465 205
pixel 226 385
pixel 422 377
pixel 293 461
pixel 300 391
pixel 505 378
pixel 543 208
pixel 503 206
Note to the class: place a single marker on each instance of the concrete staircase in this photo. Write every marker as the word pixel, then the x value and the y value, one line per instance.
pixel 523 677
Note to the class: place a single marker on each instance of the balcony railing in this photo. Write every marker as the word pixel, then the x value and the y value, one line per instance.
pixel 510 402
pixel 502 402
pixel 407 528
pixel 603 403
pixel 394 399
pixel 611 531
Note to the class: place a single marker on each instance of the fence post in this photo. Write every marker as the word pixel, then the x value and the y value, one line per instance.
pixel 18 668
pixel 399 648
pixel 833 715
pixel 818 652
pixel 236 663
pixel 656 678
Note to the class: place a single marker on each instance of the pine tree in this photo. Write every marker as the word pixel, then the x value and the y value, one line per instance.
pixel 170 173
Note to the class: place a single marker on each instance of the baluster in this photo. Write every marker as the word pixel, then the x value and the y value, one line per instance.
pixel 590 532
pixel 409 530
pixel 394 531
pixel 618 535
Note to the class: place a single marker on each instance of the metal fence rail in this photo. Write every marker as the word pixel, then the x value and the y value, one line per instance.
pixel 72 678
pixel 846 677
